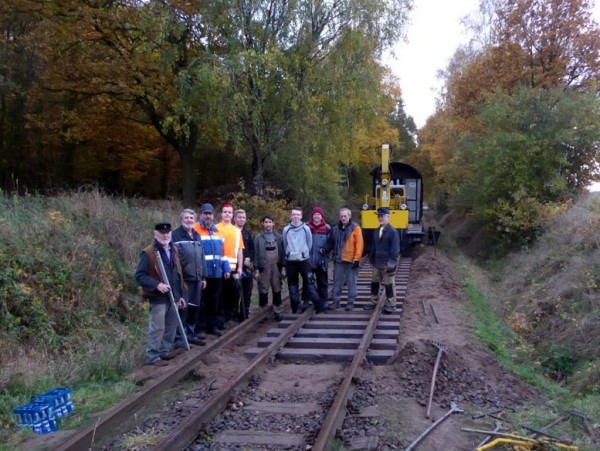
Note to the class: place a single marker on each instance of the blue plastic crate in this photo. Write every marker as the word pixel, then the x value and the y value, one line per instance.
pixel 38 416
pixel 42 412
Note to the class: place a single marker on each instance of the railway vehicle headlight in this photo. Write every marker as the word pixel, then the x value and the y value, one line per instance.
pixel 403 207
pixel 365 206
pixel 384 182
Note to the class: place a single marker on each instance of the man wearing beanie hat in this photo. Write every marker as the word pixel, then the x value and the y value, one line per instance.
pixel 322 244
pixel 163 316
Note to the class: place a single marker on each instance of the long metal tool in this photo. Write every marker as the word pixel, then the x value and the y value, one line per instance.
pixel 489 437
pixel 441 350
pixel 432 231
pixel 453 408
pixel 163 275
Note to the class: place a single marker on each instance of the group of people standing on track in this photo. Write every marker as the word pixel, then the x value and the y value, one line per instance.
pixel 210 269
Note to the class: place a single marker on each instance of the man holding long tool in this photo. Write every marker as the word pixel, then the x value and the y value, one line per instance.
pixel 164 318
pixel 383 256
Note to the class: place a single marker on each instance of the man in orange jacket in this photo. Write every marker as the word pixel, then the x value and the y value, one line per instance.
pixel 347 250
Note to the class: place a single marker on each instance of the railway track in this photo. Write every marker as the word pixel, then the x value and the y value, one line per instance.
pixel 336 344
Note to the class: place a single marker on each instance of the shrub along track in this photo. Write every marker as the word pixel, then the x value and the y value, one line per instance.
pixel 264 404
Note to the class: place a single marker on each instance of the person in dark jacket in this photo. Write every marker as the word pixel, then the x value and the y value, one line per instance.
pixel 383 257
pixel 269 260
pixel 239 219
pixel 347 251
pixel 163 321
pixel 217 269
pixel 191 256
pixel 322 244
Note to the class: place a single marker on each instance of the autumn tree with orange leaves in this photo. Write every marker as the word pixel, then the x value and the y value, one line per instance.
pixel 490 142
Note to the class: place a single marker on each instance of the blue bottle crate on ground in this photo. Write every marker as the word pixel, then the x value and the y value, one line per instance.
pixel 42 412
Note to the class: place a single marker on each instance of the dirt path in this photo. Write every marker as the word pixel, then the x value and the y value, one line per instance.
pixel 469 374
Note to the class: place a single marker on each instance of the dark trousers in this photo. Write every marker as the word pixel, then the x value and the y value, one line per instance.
pixel 295 270
pixel 229 302
pixel 247 285
pixel 321 277
pixel 189 315
pixel 207 314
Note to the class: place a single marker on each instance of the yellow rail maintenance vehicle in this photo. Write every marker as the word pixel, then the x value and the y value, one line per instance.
pixel 399 187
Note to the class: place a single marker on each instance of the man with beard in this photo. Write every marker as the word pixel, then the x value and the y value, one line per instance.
pixel 163 321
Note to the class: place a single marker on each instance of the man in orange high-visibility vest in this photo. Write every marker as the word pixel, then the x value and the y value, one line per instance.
pixel 233 250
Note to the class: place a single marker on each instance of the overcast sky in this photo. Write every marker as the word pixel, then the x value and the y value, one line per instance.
pixel 434 34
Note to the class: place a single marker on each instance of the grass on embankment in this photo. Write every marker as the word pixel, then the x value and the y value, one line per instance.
pixel 538 311
pixel 70 311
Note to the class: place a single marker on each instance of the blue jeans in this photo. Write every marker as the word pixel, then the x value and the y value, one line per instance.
pixel 343 272
pixel 161 329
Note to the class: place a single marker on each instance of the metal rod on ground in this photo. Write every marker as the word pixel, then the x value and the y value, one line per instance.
pixel 432 231
pixel 453 408
pixel 489 437
pixel 530 429
pixel 441 350
pixel 475 417
pixel 553 423
pixel 586 424
pixel 434 314
pixel 163 275
pixel 424 309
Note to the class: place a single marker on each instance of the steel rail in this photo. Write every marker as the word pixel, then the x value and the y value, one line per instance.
pixel 108 420
pixel 337 411
pixel 188 430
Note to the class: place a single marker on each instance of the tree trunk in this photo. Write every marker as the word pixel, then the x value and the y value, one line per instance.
pixel 186 156
pixel 258 173
pixel 188 182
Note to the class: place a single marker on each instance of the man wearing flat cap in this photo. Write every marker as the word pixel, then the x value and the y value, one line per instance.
pixel 163 321
pixel 383 257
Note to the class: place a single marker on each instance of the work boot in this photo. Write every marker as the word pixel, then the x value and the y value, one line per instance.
pixel 369 306
pixel 172 354
pixel 278 316
pixel 349 306
pixel 389 309
pixel 157 362
pixel 196 341
pixel 334 305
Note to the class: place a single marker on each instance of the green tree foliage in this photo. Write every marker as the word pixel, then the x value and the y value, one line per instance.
pixel 136 95
pixel 303 75
pixel 534 148
pixel 514 133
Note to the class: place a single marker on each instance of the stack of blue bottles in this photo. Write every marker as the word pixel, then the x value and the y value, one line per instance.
pixel 38 416
pixel 41 413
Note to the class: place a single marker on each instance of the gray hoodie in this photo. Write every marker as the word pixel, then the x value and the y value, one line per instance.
pixel 297 242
